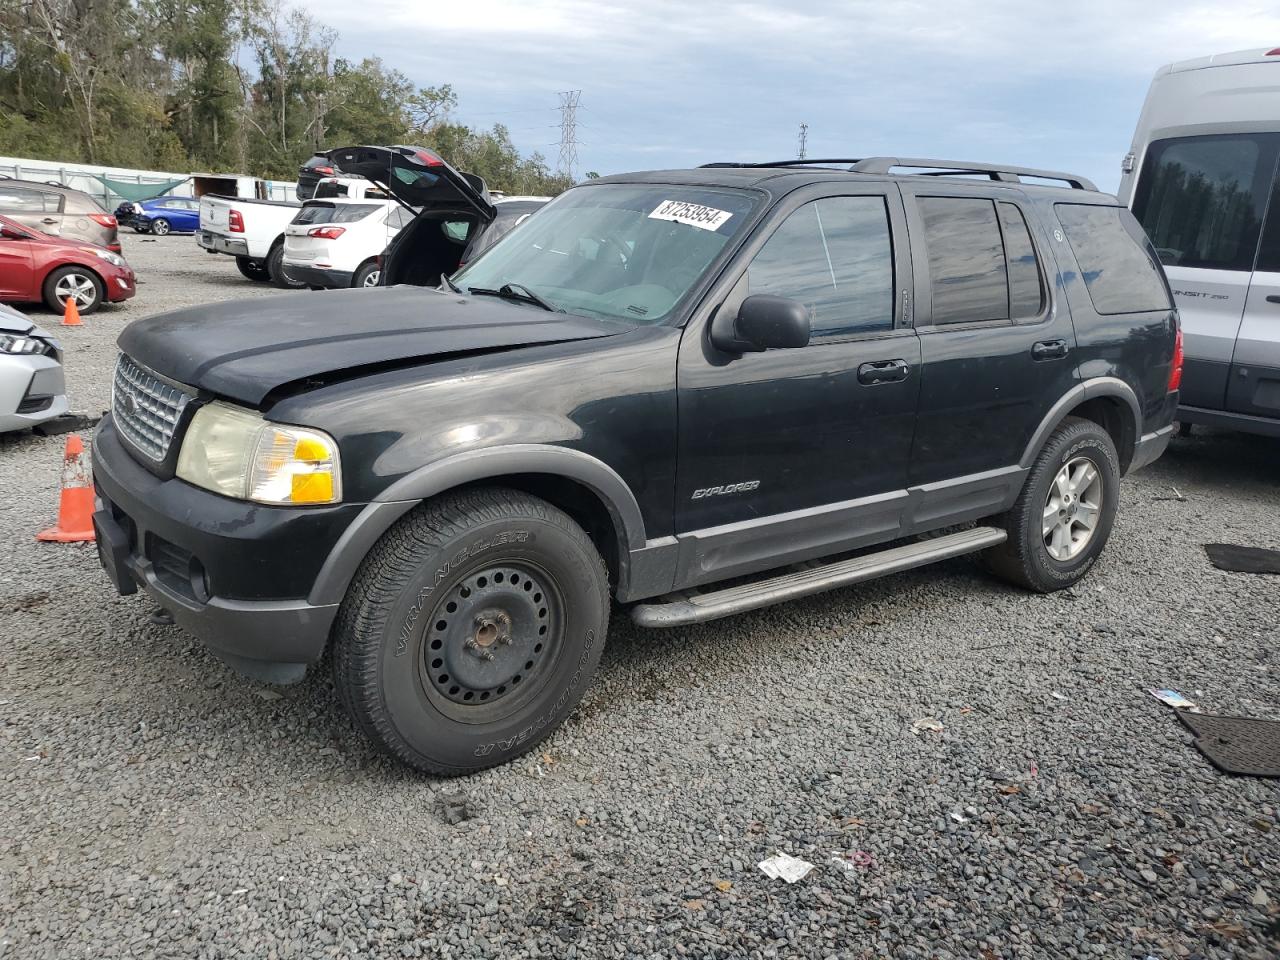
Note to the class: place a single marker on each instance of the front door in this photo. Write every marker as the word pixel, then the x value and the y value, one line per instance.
pixel 15 268
pixel 794 453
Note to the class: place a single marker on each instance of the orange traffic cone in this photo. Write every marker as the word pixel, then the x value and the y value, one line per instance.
pixel 70 313
pixel 75 510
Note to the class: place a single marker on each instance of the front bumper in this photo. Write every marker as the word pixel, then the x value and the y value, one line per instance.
pixel 234 574
pixel 32 390
pixel 121 286
pixel 317 276
pixel 217 243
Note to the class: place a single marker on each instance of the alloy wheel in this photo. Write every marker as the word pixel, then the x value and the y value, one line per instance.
pixel 76 286
pixel 1072 508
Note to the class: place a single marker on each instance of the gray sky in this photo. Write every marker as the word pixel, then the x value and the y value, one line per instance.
pixel 674 84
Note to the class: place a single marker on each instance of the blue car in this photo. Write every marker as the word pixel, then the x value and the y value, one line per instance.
pixel 166 215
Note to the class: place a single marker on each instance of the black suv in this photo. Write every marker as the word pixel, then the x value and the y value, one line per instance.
pixel 790 375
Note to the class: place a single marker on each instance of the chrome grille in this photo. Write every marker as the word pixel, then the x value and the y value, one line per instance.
pixel 145 409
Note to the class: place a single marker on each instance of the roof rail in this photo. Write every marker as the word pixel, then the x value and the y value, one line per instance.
pixel 786 163
pixel 945 168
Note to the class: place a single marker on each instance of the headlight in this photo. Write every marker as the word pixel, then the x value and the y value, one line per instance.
pixel 112 258
pixel 238 454
pixel 26 346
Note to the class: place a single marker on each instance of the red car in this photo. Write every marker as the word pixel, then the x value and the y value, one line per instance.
pixel 35 266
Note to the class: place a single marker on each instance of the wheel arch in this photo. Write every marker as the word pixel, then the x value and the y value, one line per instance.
pixel 101 281
pixel 585 488
pixel 1107 401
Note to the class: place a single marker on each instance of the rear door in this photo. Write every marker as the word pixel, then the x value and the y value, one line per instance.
pixel 1253 386
pixel 997 352
pixel 1202 200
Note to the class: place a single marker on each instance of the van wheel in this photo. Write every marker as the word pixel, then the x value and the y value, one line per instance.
pixel 252 269
pixel 471 630
pixel 275 269
pixel 1063 517
pixel 67 283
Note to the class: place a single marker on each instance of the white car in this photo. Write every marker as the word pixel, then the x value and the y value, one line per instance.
pixel 337 243
pixel 32 389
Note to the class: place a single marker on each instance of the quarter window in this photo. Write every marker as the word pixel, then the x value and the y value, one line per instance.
pixel 1201 199
pixel 967 270
pixel 834 256
pixel 1026 293
pixel 1116 261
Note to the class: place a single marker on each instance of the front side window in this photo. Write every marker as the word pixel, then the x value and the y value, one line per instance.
pixel 833 255
pixel 619 251
pixel 1116 261
pixel 1201 199
pixel 967 271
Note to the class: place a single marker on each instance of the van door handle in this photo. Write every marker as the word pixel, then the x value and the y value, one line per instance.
pixel 883 371
pixel 1273 299
pixel 1049 350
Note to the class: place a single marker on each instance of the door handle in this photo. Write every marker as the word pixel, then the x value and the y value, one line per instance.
pixel 49 220
pixel 883 371
pixel 1273 298
pixel 1049 350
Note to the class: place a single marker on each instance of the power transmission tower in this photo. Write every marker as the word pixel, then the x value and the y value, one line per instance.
pixel 569 132
pixel 804 139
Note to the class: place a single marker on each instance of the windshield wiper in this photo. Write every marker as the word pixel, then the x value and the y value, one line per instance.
pixel 449 284
pixel 518 292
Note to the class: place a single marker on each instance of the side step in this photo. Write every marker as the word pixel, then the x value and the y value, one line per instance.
pixel 682 609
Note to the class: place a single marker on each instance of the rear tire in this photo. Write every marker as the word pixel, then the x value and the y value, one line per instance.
pixel 83 282
pixel 275 269
pixel 252 269
pixel 161 227
pixel 471 630
pixel 1061 521
pixel 367 275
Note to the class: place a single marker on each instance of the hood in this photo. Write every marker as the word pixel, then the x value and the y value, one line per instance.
pixel 11 321
pixel 245 350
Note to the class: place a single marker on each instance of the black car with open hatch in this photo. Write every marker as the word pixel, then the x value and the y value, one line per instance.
pixel 693 392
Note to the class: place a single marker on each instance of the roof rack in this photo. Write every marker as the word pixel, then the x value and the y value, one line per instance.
pixel 947 168
pixel 929 168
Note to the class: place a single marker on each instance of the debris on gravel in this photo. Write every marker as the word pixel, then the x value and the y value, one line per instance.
pixel 155 804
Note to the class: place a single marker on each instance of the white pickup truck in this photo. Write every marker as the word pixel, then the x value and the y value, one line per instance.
pixel 250 230
pixel 253 230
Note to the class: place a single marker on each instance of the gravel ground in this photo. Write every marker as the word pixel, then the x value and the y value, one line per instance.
pixel 153 804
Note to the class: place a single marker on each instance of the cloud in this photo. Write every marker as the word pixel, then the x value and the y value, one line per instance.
pixel 672 82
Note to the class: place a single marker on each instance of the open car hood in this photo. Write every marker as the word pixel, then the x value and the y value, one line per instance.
pixel 416 176
pixel 246 350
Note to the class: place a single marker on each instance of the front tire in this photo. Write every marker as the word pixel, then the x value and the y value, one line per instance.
pixel 471 630
pixel 78 282
pixel 1061 521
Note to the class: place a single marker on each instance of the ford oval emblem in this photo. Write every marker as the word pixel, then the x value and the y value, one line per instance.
pixel 129 405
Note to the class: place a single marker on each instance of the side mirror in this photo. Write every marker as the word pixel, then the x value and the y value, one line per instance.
pixel 764 322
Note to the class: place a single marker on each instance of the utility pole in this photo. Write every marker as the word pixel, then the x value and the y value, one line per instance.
pixel 804 139
pixel 569 100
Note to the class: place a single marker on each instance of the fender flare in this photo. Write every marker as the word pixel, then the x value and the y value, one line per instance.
pixel 1089 390
pixel 484 464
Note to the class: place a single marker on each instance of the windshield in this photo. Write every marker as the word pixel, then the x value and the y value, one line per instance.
pixel 623 251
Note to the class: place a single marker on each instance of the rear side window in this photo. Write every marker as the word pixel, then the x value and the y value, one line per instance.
pixel 22 200
pixel 966 259
pixel 1115 259
pixel 835 257
pixel 1201 199
pixel 334 212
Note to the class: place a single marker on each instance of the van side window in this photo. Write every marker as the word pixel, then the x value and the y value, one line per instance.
pixel 1269 249
pixel 833 255
pixel 967 270
pixel 1116 261
pixel 1201 199
pixel 1026 294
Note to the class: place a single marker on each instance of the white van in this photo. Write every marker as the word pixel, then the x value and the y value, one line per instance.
pixel 1201 178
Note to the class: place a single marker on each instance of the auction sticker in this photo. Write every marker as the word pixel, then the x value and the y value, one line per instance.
pixel 695 215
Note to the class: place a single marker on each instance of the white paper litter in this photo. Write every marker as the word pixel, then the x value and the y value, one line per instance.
pixel 782 866
pixel 926 724
pixel 1172 698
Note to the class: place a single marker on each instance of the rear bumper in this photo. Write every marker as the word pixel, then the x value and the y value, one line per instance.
pixel 317 277
pixel 1244 422
pixel 1150 448
pixel 233 574
pixel 219 243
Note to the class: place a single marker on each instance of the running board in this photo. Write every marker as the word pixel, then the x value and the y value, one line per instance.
pixel 685 608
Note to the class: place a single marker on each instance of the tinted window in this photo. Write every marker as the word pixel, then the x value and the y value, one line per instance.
pixel 1026 296
pixel 21 200
pixel 966 259
pixel 1269 251
pixel 398 217
pixel 835 257
pixel 1115 259
pixel 334 212
pixel 1201 199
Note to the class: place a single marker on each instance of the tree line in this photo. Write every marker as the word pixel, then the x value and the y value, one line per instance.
pixel 245 86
